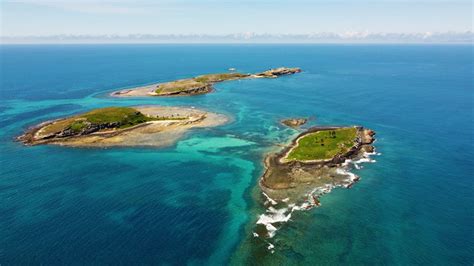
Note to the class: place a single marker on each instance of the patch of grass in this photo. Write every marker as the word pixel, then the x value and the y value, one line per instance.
pixel 123 116
pixel 78 125
pixel 323 144
pixel 57 126
pixel 219 77
pixel 197 82
pixel 179 85
pixel 203 79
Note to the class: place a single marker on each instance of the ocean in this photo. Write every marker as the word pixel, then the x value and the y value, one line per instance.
pixel 195 203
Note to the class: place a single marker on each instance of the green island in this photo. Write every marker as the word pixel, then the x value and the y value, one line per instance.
pixel 323 145
pixel 121 126
pixel 311 158
pixel 200 84
pixel 309 166
pixel 99 119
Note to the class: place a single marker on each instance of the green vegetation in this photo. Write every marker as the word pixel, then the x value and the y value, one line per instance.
pixel 178 86
pixel 114 117
pixel 194 83
pixel 323 144
pixel 78 126
pixel 123 116
pixel 210 78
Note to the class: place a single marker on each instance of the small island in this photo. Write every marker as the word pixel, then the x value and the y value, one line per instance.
pixel 317 148
pixel 294 122
pixel 311 165
pixel 121 126
pixel 198 85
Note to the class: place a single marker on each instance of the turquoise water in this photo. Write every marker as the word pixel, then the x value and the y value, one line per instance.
pixel 192 203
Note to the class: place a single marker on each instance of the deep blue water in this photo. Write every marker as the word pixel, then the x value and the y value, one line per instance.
pixel 189 203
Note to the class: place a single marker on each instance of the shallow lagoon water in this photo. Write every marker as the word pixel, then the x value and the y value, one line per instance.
pixel 192 203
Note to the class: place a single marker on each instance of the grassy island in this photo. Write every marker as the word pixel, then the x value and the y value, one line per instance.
pixel 101 119
pixel 200 84
pixel 121 126
pixel 323 145
pixel 310 159
pixel 117 117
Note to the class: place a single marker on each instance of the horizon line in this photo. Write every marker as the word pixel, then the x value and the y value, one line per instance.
pixel 249 37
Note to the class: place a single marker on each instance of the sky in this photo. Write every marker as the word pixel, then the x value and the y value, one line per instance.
pixel 122 17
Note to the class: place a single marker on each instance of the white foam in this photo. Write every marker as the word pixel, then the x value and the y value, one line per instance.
pixel 345 172
pixel 270 200
pixel 272 216
pixel 270 246
pixel 271 230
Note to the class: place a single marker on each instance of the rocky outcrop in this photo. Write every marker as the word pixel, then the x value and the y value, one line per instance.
pixel 367 136
pixel 294 122
pixel 276 72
